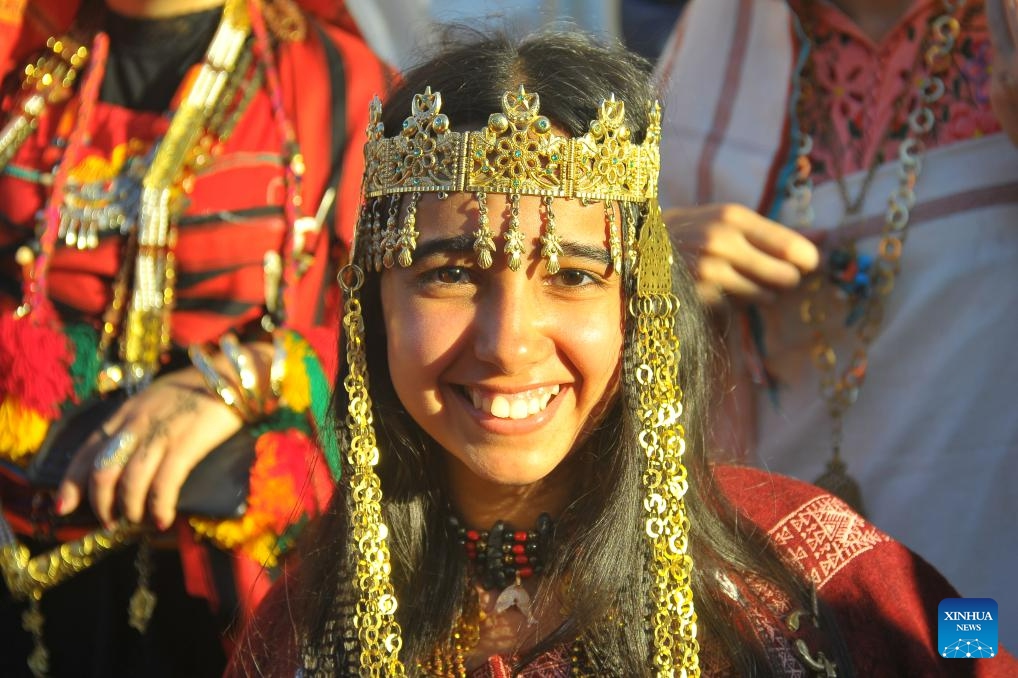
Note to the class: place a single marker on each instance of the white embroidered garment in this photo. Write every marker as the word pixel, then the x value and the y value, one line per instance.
pixel 933 437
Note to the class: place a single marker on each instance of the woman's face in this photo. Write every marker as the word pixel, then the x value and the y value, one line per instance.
pixel 505 370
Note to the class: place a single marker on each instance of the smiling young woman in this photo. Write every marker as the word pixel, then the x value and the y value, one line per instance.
pixel 504 369
pixel 526 489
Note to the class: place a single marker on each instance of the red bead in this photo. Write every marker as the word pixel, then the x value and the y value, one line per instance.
pixel 522 560
pixel 473 535
pixel 525 572
pixel 519 548
pixel 520 536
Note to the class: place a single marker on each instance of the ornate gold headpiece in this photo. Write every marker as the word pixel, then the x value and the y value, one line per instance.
pixel 517 153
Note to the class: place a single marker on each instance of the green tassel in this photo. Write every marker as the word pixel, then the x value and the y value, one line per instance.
pixel 85 368
pixel 282 419
pixel 320 400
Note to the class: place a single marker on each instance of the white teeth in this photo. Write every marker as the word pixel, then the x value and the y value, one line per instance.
pixel 516 405
pixel 519 410
pixel 500 407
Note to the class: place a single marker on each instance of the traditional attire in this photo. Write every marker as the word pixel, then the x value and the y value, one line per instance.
pixel 932 437
pixel 237 218
pixel 884 597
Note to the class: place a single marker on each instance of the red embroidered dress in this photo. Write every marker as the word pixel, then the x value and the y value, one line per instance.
pixel 884 597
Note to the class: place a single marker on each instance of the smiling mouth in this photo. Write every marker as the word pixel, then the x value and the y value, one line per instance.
pixel 511 405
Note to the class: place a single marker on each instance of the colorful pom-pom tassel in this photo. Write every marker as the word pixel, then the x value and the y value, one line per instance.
pixel 35 379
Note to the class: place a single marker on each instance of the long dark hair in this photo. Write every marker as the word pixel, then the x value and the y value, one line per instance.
pixel 598 539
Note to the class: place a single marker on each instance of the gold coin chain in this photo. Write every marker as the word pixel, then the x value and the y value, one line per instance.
pixel 840 391
pixel 378 633
pixel 672 616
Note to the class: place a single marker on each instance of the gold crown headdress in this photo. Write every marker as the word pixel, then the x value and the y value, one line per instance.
pixel 518 153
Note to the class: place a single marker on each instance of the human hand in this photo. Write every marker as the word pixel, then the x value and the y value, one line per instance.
pixel 734 252
pixel 162 433
pixel 1002 15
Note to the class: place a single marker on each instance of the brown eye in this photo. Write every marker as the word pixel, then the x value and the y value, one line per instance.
pixel 450 275
pixel 572 277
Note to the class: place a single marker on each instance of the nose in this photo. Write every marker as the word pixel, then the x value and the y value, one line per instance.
pixel 511 326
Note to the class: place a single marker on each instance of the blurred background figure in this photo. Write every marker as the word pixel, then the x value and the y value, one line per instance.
pixel 647 24
pixel 803 142
pixel 174 203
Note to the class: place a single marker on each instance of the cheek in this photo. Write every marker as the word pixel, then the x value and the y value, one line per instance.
pixel 419 341
pixel 596 345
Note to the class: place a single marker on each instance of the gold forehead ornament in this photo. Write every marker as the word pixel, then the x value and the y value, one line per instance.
pixel 516 154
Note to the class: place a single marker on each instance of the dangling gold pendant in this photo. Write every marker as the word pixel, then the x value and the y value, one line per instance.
pixel 836 480
pixel 141 607
pixel 32 621
pixel 143 600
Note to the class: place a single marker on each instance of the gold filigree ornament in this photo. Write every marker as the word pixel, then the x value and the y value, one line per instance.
pixel 519 153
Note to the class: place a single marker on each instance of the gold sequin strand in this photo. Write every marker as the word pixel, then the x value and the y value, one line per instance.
pixel 672 616
pixel 378 633
pixel 50 80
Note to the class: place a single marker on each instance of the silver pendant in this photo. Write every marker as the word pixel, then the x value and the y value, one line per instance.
pixel 515 596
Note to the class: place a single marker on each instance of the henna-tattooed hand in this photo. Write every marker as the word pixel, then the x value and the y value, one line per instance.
pixel 173 424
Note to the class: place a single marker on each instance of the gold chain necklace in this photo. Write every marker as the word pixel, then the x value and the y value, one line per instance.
pixel 147 326
pixel 448 660
pixel 840 390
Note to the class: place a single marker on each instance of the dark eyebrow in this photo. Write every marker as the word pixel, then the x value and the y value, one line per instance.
pixel 464 244
pixel 582 251
pixel 457 244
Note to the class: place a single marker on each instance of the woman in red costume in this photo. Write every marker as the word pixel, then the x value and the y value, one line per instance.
pixel 172 175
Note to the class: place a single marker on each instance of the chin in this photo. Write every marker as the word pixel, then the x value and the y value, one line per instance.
pixel 516 473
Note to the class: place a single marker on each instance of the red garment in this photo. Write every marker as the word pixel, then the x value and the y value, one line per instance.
pixel 884 596
pixel 234 213
pixel 219 263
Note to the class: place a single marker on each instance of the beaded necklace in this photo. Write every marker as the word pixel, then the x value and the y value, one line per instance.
pixel 503 555
pixel 449 659
pixel 500 558
pixel 867 280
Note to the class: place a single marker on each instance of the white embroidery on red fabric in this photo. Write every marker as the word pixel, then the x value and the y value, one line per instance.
pixel 823 536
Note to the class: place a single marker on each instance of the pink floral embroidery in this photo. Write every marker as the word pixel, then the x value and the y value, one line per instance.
pixel 865 91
